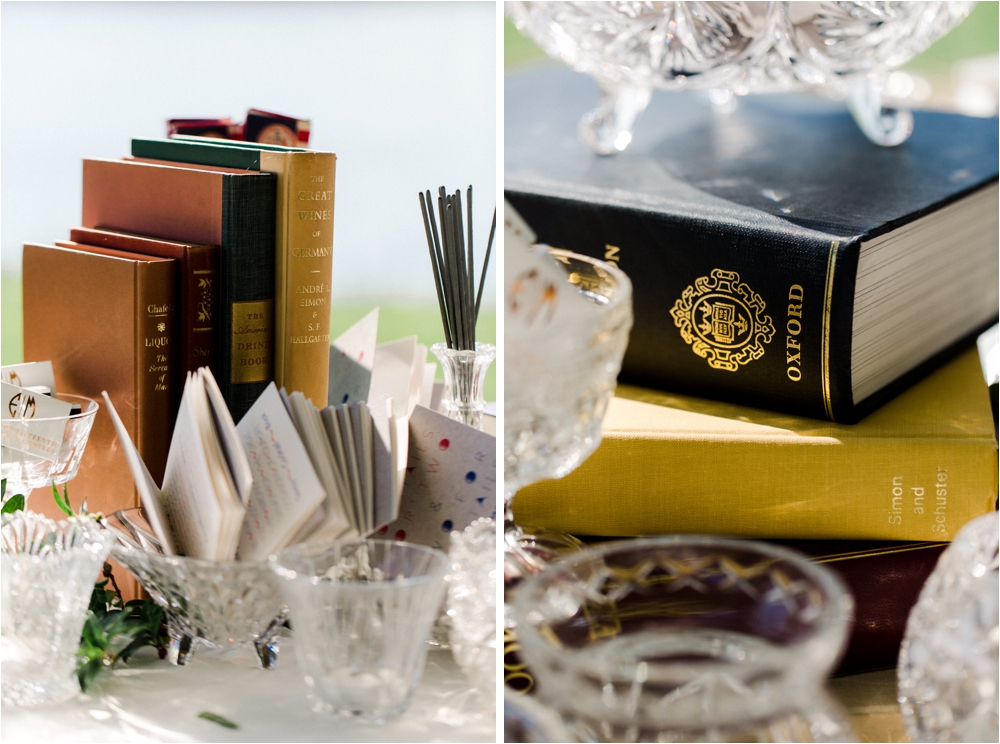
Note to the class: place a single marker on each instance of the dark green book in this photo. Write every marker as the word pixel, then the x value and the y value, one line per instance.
pixel 778 258
pixel 230 208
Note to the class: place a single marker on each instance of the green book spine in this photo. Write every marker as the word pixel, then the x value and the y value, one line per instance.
pixel 197 153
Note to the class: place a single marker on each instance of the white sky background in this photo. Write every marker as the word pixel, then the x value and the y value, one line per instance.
pixel 404 93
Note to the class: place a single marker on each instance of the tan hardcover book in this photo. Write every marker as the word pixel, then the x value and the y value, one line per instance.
pixel 107 322
pixel 303 269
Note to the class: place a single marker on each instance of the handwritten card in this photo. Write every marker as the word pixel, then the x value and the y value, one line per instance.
pixel 450 480
pixel 286 491
pixel 393 372
pixel 352 356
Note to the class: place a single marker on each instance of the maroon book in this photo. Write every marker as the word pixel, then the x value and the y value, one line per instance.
pixel 885 579
pixel 197 294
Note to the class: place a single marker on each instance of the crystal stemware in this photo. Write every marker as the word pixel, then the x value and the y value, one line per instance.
pixel 25 472
pixel 556 393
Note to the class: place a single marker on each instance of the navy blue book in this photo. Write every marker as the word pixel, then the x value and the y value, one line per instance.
pixel 778 258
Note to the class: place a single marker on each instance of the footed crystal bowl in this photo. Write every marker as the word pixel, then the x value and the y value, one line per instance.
pixel 840 49
pixel 217 605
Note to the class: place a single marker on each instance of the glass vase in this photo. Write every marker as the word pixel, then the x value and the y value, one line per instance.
pixel 464 380
pixel 948 661
pixel 48 574
pixel 687 639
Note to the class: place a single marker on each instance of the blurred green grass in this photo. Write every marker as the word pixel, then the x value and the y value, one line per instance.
pixel 975 36
pixel 396 320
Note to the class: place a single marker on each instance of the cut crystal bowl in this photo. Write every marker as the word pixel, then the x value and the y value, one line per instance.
pixel 840 49
pixel 948 661
pixel 687 639
pixel 472 604
pixel 217 605
pixel 48 573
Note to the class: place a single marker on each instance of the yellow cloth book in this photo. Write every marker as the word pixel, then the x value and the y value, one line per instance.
pixel 916 469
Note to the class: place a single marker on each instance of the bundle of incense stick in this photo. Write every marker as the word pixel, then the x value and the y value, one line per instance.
pixel 454 265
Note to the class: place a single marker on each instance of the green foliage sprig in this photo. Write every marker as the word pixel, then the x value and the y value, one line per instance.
pixel 114 630
pixel 13 504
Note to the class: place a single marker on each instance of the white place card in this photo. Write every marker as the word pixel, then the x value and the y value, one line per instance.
pixel 27 422
pixel 450 480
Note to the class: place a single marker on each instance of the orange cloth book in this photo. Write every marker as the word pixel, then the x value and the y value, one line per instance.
pixel 107 322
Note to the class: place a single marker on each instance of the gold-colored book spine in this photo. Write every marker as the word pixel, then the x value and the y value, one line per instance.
pixel 303 268
pixel 917 469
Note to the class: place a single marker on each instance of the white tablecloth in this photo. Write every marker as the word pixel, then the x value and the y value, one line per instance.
pixel 152 700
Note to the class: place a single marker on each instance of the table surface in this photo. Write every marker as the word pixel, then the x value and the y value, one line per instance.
pixel 151 700
pixel 870 699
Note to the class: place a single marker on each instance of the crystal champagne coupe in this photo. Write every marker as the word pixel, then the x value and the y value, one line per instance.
pixel 557 388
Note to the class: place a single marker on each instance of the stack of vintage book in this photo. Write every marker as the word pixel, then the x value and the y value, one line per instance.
pixel 802 365
pixel 191 253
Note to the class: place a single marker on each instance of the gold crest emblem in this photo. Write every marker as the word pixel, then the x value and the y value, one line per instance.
pixel 723 320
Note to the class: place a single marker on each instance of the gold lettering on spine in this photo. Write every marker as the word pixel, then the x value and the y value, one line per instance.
pixel 793 327
pixel 611 254
pixel 252 341
pixel 320 214
pixel 831 264
pixel 305 261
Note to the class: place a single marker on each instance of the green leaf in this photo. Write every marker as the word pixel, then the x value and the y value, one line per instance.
pixel 62 501
pixel 98 599
pixel 93 633
pixel 91 652
pixel 15 503
pixel 3 488
pixel 113 632
pixel 88 671
pixel 215 718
